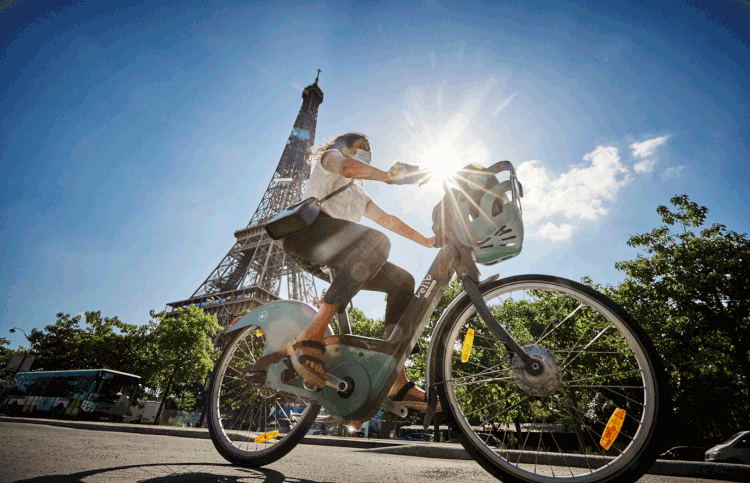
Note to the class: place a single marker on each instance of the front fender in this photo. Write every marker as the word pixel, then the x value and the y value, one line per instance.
pixel 282 322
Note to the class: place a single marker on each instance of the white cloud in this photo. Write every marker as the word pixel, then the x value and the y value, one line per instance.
pixel 671 172
pixel 556 233
pixel 576 195
pixel 645 166
pixel 646 148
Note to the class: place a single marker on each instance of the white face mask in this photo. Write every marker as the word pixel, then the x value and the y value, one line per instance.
pixel 362 155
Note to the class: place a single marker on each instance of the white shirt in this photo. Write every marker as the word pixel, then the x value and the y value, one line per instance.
pixel 348 205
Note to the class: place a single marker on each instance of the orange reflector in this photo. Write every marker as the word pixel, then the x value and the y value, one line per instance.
pixel 468 343
pixel 235 320
pixel 266 436
pixel 613 428
pixel 260 333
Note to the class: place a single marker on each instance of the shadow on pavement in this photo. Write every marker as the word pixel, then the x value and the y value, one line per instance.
pixel 173 473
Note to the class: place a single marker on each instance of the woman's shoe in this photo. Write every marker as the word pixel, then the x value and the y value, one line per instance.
pixel 308 350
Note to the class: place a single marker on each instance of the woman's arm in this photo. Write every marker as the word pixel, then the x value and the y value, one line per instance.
pixel 347 167
pixel 396 225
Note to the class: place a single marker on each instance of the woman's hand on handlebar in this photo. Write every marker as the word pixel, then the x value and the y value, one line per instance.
pixel 402 173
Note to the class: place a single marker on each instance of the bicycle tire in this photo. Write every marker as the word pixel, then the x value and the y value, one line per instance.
pixel 239 410
pixel 562 401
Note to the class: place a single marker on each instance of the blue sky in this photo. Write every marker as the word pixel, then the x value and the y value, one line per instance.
pixel 135 139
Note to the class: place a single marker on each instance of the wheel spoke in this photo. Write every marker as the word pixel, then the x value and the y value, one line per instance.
pixel 597 386
pixel 503 379
pixel 634 371
pixel 567 363
pixel 558 325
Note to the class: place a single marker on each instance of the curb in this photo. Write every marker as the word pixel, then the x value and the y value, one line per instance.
pixel 716 471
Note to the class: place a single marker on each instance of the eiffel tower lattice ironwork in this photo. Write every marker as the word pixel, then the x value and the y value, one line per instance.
pixel 251 273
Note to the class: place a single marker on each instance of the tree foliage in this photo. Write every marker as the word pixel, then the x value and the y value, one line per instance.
pixel 690 292
pixel 184 348
pixel 5 355
pixel 100 343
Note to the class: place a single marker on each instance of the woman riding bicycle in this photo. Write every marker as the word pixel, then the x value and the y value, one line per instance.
pixel 357 253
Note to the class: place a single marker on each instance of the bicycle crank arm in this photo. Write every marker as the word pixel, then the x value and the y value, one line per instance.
pixel 531 365
pixel 393 407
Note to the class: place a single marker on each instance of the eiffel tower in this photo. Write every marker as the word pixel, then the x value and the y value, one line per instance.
pixel 251 273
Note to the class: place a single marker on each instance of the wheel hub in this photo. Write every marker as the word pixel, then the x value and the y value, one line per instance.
pixel 538 383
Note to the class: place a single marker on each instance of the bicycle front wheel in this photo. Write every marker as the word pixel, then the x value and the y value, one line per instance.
pixel 590 416
pixel 250 424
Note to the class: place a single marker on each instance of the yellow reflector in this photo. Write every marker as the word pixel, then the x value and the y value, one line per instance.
pixel 613 428
pixel 260 332
pixel 266 436
pixel 468 342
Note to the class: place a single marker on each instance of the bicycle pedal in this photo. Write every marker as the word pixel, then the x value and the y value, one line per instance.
pixel 256 377
pixel 288 376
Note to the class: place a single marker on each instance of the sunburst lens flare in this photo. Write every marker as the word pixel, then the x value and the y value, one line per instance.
pixel 440 164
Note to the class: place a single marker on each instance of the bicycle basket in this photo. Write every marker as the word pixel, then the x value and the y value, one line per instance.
pixel 484 213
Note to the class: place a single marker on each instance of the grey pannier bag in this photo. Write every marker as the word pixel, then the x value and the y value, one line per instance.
pixel 298 216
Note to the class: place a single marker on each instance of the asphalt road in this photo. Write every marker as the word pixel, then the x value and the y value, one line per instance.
pixel 48 454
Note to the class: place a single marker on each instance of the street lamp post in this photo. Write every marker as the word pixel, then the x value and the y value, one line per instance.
pixel 13 330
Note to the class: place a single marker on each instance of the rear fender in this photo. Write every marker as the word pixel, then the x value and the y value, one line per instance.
pixel 281 321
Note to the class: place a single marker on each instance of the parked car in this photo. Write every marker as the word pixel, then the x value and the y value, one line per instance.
pixel 419 437
pixel 318 429
pixel 684 453
pixel 734 450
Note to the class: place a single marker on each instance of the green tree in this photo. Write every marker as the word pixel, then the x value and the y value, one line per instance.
pixel 5 352
pixel 5 355
pixel 689 291
pixel 184 349
pixel 364 326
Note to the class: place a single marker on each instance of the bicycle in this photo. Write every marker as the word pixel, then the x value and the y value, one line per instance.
pixel 535 352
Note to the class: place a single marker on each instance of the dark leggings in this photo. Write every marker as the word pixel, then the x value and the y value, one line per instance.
pixel 359 256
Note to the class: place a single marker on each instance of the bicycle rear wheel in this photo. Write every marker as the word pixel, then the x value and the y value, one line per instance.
pixel 243 414
pixel 598 365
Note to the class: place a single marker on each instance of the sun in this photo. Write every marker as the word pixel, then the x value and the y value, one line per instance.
pixel 441 162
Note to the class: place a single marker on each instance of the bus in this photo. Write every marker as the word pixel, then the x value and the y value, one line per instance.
pixel 94 394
